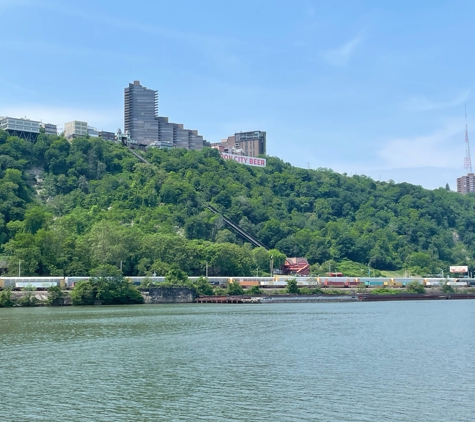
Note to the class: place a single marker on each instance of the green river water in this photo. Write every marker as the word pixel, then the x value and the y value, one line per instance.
pixel 391 361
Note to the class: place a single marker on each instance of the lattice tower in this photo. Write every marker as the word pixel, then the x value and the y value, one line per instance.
pixel 468 160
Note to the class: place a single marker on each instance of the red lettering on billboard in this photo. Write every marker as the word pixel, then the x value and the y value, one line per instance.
pixel 256 162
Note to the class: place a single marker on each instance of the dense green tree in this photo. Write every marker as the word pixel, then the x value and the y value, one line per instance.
pixel 292 286
pixel 107 289
pixel 234 288
pixel 68 207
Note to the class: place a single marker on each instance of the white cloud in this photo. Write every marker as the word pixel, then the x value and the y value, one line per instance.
pixel 442 148
pixel 419 103
pixel 108 120
pixel 341 55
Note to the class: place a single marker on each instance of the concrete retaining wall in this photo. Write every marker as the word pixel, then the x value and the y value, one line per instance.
pixel 168 295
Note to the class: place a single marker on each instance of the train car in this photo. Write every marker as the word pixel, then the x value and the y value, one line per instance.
pixel 470 281
pixel 274 284
pixel 247 284
pixel 328 283
pixel 332 282
pixel 38 283
pixel 373 282
pixel 259 280
pixel 457 283
pixel 71 281
pixel 434 282
pixel 391 283
pixel 35 285
pixel 218 281
pixel 137 280
pixel 7 283
pixel 352 282
pixel 339 281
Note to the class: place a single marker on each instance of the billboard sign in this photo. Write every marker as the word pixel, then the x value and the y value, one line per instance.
pixel 459 269
pixel 249 161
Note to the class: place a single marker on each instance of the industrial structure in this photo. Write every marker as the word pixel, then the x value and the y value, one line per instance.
pixel 147 129
pixel 466 184
pixel 250 144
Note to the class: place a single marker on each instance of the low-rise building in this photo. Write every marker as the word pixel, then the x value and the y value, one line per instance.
pixel 74 129
pixel 49 128
pixel 250 144
pixel 92 131
pixel 108 136
pixel 23 128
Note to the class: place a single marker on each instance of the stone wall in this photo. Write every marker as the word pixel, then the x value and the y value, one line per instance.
pixel 168 295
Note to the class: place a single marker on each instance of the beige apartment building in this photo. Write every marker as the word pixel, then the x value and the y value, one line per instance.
pixel 250 144
pixel 74 129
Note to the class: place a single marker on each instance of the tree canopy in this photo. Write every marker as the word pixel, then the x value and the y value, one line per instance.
pixel 67 208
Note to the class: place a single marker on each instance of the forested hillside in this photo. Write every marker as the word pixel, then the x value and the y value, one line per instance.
pixel 67 208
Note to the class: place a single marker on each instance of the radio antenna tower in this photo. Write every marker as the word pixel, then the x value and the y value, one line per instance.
pixel 468 160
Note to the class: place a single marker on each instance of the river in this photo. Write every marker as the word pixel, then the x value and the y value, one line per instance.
pixel 328 362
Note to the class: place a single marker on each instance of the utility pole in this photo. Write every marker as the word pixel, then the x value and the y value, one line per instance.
pixel 206 269
pixel 271 265
pixel 19 268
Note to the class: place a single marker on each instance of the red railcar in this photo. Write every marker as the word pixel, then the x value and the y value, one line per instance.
pixel 328 283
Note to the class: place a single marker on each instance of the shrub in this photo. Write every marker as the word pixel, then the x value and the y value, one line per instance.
pixel 55 297
pixel 6 298
pixel 255 290
pixel 292 286
pixel 384 291
pixel 28 300
pixel 415 287
pixel 203 286
pixel 306 291
pixel 234 288
pixel 447 289
pixel 113 290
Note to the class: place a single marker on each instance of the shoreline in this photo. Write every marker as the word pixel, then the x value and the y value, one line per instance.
pixel 181 296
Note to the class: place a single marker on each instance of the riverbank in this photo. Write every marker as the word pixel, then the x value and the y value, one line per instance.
pixel 329 298
pixel 168 295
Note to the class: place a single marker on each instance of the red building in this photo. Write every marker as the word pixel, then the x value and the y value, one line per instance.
pixel 296 266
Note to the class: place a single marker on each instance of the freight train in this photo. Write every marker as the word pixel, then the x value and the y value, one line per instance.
pixel 276 282
pixel 43 283
pixel 347 282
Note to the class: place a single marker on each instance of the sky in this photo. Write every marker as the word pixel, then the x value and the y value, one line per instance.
pixel 362 87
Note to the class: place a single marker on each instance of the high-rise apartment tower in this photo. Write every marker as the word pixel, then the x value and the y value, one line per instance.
pixel 146 128
pixel 140 112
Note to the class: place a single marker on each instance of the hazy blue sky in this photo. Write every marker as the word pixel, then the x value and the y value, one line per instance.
pixel 367 87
